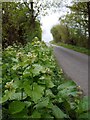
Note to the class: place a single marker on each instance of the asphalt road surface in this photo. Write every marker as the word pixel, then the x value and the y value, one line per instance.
pixel 74 64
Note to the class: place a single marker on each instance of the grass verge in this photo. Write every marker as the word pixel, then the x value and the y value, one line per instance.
pixel 73 47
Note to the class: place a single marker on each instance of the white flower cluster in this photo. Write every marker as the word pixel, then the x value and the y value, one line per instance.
pixel 9 85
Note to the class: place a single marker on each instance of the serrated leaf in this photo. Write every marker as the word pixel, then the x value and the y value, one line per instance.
pixel 16 107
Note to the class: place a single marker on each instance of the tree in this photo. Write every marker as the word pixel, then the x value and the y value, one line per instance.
pixel 17 25
pixel 56 33
pixel 60 33
pixel 77 22
pixel 22 19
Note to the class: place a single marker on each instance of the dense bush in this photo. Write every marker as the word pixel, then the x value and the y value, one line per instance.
pixel 33 86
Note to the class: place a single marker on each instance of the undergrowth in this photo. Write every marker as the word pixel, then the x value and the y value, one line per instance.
pixel 34 87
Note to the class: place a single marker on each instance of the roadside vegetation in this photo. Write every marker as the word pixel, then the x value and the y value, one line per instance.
pixel 73 47
pixel 32 85
pixel 73 31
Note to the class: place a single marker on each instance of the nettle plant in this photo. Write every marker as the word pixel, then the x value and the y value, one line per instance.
pixel 33 86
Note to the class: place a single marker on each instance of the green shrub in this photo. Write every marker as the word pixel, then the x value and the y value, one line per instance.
pixel 34 87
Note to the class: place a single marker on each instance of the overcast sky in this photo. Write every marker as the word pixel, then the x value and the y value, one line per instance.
pixel 49 21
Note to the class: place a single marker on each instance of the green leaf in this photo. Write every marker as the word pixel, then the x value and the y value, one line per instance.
pixel 36 114
pixel 17 96
pixel 84 116
pixel 67 84
pixel 27 72
pixel 43 103
pixel 7 95
pixel 49 82
pixel 37 69
pixel 28 88
pixel 16 107
pixel 83 105
pixel 0 80
pixel 21 115
pixel 57 112
pixel 66 92
pixel 46 115
pixel 17 84
pixel 15 67
pixel 37 92
pixel 49 93
pixel 28 104
pixel 14 60
pixel 67 88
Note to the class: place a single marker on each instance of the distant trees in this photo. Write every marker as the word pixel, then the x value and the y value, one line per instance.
pixel 60 33
pixel 76 24
pixel 16 24
pixel 56 33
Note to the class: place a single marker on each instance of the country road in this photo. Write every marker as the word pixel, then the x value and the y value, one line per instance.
pixel 74 64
